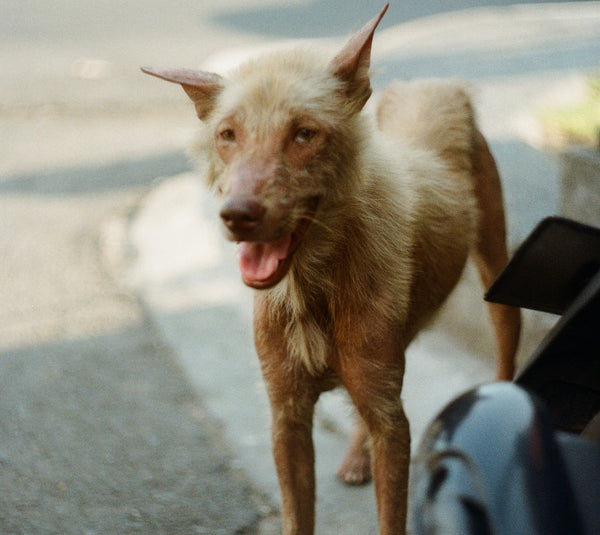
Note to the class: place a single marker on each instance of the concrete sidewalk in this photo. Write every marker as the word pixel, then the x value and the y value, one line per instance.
pixel 170 251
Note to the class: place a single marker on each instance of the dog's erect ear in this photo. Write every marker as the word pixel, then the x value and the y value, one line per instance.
pixel 201 87
pixel 352 64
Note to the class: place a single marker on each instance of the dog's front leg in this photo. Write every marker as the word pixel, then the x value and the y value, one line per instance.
pixel 375 389
pixel 294 459
pixel 292 395
pixel 391 458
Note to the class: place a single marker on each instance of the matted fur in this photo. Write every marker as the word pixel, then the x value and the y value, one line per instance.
pixel 354 229
pixel 410 176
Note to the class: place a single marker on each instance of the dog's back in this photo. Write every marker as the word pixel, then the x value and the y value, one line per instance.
pixel 432 114
pixel 435 118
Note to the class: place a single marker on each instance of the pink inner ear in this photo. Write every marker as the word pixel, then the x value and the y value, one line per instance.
pixel 186 77
pixel 202 87
pixel 357 52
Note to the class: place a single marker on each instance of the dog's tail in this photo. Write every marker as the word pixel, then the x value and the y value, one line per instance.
pixel 431 114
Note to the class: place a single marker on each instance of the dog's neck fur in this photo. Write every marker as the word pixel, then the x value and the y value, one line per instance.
pixel 336 275
pixel 340 252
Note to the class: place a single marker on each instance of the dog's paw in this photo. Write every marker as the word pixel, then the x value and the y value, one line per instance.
pixel 355 468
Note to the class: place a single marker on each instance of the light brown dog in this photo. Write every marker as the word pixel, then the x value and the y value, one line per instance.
pixel 353 231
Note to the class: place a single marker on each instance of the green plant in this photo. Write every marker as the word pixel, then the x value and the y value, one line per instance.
pixel 578 123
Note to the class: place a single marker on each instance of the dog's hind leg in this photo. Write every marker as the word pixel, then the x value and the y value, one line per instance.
pixel 491 254
pixel 355 469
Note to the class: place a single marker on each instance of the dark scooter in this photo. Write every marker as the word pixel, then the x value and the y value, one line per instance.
pixel 524 457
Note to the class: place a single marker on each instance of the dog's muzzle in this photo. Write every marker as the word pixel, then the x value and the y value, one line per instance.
pixel 242 216
pixel 265 249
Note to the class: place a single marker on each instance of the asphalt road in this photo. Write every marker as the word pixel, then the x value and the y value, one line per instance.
pixel 100 429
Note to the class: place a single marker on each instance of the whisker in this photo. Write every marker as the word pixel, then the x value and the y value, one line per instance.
pixel 311 218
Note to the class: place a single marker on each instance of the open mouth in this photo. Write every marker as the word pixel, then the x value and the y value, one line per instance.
pixel 263 265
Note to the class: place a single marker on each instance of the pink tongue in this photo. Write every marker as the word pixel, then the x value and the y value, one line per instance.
pixel 259 261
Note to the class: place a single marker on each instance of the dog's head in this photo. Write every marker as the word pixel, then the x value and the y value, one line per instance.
pixel 277 137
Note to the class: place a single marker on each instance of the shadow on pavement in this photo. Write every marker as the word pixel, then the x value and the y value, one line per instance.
pixel 326 18
pixel 104 435
pixel 579 54
pixel 99 178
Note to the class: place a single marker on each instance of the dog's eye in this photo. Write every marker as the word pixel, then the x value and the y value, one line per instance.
pixel 304 135
pixel 227 135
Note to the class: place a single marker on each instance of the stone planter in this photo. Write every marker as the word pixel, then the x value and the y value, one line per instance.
pixel 580 185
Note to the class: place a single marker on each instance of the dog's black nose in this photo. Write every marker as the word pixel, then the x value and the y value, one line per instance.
pixel 242 215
